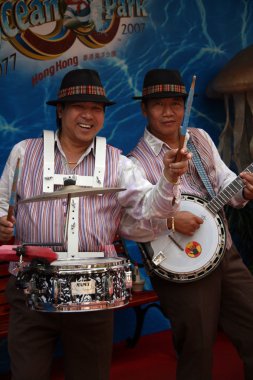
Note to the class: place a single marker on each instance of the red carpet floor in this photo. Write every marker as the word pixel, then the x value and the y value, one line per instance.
pixel 154 359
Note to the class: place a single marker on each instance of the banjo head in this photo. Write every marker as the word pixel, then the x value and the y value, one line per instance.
pixel 181 258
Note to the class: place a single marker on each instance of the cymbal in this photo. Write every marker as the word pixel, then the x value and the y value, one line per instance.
pixel 72 191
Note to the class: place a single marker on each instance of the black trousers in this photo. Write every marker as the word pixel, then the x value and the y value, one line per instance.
pixel 86 338
pixel 223 298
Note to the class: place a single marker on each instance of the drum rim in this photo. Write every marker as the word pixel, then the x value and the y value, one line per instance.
pixel 87 264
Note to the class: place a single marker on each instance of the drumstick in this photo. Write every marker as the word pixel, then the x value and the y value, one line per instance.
pixel 12 200
pixel 186 119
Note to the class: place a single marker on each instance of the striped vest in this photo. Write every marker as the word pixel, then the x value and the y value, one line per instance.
pixel 191 182
pixel 43 222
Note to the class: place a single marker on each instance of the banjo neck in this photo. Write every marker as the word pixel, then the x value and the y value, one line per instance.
pixel 226 194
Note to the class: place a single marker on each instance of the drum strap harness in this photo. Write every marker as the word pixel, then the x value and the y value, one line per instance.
pixel 50 179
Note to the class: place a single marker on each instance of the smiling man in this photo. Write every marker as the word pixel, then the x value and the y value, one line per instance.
pixel 75 151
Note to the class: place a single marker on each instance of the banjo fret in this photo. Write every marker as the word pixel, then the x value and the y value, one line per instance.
pixel 226 194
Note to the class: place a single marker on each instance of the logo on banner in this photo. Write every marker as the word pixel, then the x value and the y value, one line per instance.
pixel 94 23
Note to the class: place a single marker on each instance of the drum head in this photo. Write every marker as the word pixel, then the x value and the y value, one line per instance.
pixel 181 257
pixel 96 263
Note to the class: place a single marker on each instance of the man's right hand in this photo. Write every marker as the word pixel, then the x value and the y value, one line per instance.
pixel 185 222
pixel 6 229
pixel 174 169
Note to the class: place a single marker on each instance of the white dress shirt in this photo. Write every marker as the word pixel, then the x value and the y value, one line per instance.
pixel 144 203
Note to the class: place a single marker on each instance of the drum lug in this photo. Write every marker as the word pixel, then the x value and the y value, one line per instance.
pixel 128 279
pixel 128 275
pixel 110 285
pixel 56 290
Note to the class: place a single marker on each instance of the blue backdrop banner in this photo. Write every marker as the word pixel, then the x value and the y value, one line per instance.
pixel 122 39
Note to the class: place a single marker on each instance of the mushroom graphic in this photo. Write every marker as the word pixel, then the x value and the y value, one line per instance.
pixel 235 84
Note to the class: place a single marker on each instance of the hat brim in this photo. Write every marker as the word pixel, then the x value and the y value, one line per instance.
pixel 161 95
pixel 78 98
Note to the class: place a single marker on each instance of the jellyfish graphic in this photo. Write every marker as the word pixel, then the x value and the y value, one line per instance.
pixel 234 83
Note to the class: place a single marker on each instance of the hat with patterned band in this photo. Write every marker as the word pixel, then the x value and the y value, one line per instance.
pixel 162 83
pixel 82 85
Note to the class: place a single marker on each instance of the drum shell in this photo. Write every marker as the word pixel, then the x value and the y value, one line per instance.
pixel 84 285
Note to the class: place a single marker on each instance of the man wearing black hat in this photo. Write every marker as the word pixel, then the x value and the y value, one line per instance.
pixel 75 153
pixel 219 292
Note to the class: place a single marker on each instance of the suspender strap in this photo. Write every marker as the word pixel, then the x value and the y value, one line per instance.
pixel 48 179
pixel 100 157
pixel 200 168
pixel 51 179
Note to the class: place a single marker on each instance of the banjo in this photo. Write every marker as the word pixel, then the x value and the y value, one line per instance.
pixel 181 258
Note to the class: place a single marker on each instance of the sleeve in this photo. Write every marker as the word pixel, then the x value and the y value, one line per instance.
pixel 146 206
pixel 8 174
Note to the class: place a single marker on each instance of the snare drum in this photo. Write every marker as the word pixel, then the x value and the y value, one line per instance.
pixel 77 285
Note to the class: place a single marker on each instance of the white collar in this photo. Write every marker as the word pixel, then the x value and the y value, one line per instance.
pixel 156 144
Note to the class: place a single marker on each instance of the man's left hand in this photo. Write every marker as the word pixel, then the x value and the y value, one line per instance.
pixel 248 188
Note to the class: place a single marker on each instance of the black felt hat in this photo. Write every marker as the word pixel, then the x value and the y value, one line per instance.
pixel 81 85
pixel 162 83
